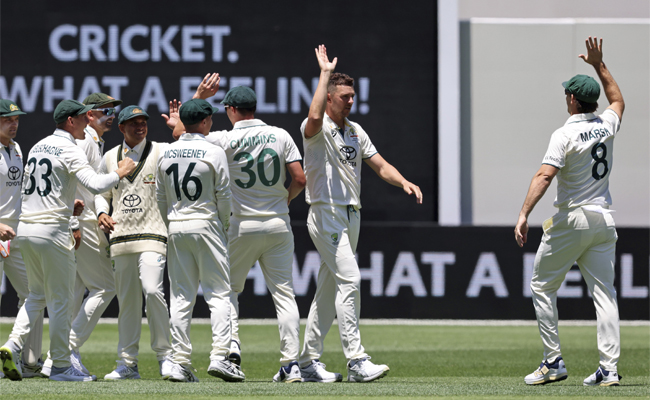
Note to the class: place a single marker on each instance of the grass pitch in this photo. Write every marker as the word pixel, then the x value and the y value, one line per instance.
pixel 459 362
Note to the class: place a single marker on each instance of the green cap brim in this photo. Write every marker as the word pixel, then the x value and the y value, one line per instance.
pixel 11 114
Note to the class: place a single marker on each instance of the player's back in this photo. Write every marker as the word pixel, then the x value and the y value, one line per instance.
pixel 49 182
pixel 588 160
pixel 257 156
pixel 190 173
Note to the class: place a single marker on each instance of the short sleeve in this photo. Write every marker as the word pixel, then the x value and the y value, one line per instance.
pixel 365 144
pixel 291 152
pixel 556 152
pixel 612 119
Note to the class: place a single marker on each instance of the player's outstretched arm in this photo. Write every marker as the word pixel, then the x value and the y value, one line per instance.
pixel 208 87
pixel 174 117
pixel 391 175
pixel 594 57
pixel 541 181
pixel 319 102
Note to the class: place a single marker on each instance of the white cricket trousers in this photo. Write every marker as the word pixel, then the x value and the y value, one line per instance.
pixel 14 267
pixel 95 272
pixel 588 238
pixel 137 274
pixel 51 273
pixel 334 231
pixel 275 254
pixel 198 252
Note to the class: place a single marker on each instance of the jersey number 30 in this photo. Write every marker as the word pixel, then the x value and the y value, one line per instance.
pixel 187 178
pixel 248 168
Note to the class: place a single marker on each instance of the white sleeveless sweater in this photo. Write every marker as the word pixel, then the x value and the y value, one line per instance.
pixel 139 225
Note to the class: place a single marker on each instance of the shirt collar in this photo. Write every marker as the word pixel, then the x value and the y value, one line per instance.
pixel 192 136
pixel 580 118
pixel 137 149
pixel 247 123
pixel 334 124
pixel 93 133
pixel 64 134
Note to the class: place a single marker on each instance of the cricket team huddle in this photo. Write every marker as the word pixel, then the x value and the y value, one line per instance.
pixel 211 204
pixel 208 205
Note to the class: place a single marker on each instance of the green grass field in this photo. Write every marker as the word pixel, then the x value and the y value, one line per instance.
pixel 459 362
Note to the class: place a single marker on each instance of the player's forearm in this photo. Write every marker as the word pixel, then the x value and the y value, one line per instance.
pixel 391 175
pixel 318 104
pixel 538 187
pixel 295 188
pixel 610 87
pixel 179 129
pixel 97 183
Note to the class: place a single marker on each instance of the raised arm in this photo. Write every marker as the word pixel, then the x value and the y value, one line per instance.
pixel 391 175
pixel 173 118
pixel 541 181
pixel 319 102
pixel 208 87
pixel 595 58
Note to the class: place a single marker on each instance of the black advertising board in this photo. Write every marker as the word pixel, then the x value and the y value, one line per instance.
pixel 147 53
pixel 444 273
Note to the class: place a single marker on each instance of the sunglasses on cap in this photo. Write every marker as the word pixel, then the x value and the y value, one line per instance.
pixel 106 111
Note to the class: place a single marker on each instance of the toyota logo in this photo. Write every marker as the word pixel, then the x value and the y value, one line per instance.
pixel 14 173
pixel 131 200
pixel 349 152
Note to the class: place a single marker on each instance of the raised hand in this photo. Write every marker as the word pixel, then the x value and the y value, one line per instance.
pixel 208 87
pixel 323 61
pixel 594 51
pixel 172 119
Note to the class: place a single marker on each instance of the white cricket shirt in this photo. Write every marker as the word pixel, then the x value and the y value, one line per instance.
pixel 192 181
pixel 11 174
pixel 257 155
pixel 583 150
pixel 54 167
pixel 93 146
pixel 333 159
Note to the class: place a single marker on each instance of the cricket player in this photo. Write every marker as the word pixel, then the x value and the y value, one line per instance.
pixel 581 155
pixel 193 192
pixel 93 259
pixel 11 260
pixel 334 147
pixel 54 166
pixel 138 245
pixel 260 227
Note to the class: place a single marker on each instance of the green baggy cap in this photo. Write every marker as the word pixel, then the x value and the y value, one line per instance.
pixel 240 97
pixel 69 108
pixel 8 108
pixel 131 112
pixel 584 88
pixel 101 99
pixel 195 110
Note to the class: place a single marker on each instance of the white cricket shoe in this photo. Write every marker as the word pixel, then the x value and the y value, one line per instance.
pixel 316 372
pixel 182 373
pixel 47 367
pixel 75 360
pixel 235 352
pixel 288 374
pixel 226 370
pixel 602 377
pixel 165 366
pixel 548 373
pixel 10 358
pixel 33 370
pixel 70 374
pixel 363 370
pixel 123 372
